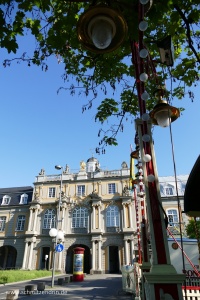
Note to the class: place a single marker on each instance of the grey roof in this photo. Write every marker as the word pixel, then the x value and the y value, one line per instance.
pixel 92 159
pixel 15 194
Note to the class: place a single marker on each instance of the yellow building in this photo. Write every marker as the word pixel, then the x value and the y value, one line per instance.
pixel 97 213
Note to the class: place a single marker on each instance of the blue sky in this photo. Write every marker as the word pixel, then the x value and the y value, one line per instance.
pixel 40 128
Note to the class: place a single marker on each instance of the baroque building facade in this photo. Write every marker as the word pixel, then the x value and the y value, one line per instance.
pixel 94 208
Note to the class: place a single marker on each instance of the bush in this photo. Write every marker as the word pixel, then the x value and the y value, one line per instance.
pixel 7 276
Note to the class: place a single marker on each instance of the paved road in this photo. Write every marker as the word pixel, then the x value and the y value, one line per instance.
pixel 94 287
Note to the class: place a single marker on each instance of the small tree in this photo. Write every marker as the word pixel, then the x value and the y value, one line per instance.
pixel 193 229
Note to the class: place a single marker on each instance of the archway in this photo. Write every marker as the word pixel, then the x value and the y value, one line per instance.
pixel 8 255
pixel 113 259
pixel 44 259
pixel 69 259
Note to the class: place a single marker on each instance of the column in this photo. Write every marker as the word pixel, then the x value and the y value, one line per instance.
pixel 93 255
pixel 30 219
pixel 126 252
pixel 99 256
pixel 99 188
pixel 132 248
pixel 93 212
pixel 35 219
pixel 25 255
pixel 130 216
pixel 124 215
pixel 30 257
pixel 99 212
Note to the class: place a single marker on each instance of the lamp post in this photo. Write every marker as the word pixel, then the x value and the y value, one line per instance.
pixel 161 281
pixel 57 233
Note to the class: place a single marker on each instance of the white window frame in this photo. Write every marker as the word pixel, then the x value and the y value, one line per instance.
pixel 23 199
pixel 20 223
pixel 49 220
pixel 112 188
pixel 80 217
pixel 52 192
pixel 112 216
pixel 5 201
pixel 80 190
pixel 2 223
pixel 169 190
pixel 172 214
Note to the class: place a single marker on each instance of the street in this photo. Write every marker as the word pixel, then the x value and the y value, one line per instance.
pixel 103 286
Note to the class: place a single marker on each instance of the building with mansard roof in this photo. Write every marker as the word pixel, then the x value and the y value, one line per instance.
pixel 95 210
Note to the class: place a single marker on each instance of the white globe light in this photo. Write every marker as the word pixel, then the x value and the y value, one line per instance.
pixel 162 118
pixel 145 96
pixel 60 235
pixel 101 29
pixel 145 117
pixel 143 77
pixel 144 1
pixel 143 53
pixel 143 25
pixel 147 158
pixel 53 232
pixel 151 178
pixel 146 138
pixel 140 177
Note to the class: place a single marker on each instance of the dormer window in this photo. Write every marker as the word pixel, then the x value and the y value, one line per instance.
pixel 6 200
pixel 169 191
pixel 23 199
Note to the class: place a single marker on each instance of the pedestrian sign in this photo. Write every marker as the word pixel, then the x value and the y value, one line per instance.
pixel 59 248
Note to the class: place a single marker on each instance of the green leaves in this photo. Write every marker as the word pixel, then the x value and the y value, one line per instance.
pixel 107 108
pixel 53 24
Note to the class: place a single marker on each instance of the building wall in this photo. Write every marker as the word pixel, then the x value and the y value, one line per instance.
pixel 101 243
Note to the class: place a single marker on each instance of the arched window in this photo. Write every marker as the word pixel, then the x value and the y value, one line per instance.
pixel 112 216
pixel 23 199
pixel 80 217
pixel 172 217
pixel 49 219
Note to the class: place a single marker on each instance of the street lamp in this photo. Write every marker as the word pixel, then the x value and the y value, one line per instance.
pixel 163 113
pixel 57 233
pixel 101 29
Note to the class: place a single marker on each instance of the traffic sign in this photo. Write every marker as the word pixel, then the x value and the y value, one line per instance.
pixel 59 248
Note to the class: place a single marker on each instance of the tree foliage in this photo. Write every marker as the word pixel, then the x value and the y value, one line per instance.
pixel 53 24
pixel 193 229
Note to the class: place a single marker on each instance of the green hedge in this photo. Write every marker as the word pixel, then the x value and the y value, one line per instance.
pixel 7 276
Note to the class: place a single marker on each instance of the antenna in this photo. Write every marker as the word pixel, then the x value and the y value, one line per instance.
pixel 92 151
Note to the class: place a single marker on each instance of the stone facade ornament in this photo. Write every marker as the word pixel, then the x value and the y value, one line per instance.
pixel 66 171
pixel 42 172
pixel 82 165
pixel 94 196
pixel 125 191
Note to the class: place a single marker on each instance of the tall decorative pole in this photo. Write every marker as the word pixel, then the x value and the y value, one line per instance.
pixel 162 281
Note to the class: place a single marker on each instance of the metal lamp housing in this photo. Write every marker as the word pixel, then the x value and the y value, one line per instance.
pixel 166 49
pixel 111 16
pixel 172 112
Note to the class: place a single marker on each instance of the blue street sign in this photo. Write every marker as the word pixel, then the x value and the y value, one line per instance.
pixel 59 248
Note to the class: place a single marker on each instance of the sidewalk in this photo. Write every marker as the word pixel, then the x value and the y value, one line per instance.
pixel 101 286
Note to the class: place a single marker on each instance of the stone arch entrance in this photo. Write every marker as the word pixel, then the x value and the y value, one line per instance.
pixel 44 258
pixel 69 259
pixel 8 255
pixel 113 259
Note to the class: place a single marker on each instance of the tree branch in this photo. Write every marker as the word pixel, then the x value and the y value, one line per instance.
pixel 187 24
